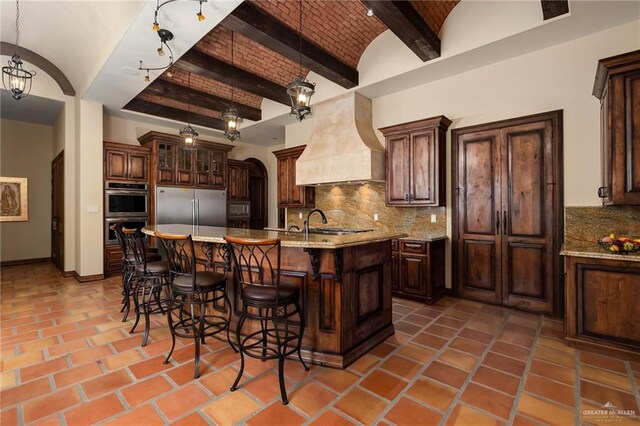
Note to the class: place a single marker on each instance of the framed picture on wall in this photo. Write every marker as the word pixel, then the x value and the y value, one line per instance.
pixel 14 197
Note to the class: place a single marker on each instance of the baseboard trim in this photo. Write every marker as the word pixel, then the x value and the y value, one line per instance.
pixel 87 278
pixel 24 261
pixel 68 274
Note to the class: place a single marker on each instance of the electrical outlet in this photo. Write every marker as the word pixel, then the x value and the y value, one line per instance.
pixel 375 216
pixel 433 218
pixel 299 215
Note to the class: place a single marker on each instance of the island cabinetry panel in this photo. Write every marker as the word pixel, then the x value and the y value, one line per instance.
pixel 346 297
pixel 238 178
pixel 126 163
pixel 617 85
pixel 418 269
pixel 602 299
pixel 290 194
pixel 415 162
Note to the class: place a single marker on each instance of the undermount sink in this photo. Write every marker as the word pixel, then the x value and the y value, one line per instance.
pixel 337 231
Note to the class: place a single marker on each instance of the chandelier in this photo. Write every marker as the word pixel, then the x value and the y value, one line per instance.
pixel 165 36
pixel 15 78
pixel 230 116
pixel 300 90
pixel 188 133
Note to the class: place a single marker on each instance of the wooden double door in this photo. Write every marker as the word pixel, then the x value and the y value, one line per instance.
pixel 507 190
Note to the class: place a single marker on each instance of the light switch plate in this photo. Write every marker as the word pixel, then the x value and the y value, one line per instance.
pixel 92 209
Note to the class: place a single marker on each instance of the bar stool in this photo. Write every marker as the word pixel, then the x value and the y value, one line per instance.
pixel 128 264
pixel 192 294
pixel 151 278
pixel 269 302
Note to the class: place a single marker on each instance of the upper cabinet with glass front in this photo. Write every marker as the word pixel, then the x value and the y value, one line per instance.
pixel 174 164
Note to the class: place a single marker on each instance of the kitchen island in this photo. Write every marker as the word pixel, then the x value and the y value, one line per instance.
pixel 345 282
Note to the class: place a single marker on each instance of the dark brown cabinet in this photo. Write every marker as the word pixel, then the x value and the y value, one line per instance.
pixel 418 269
pixel 415 157
pixel 602 299
pixel 238 179
pixel 242 224
pixel 290 194
pixel 174 164
pixel 617 85
pixel 507 220
pixel 126 163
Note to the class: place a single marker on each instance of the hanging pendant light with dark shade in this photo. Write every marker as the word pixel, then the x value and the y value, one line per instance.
pixel 230 116
pixel 188 133
pixel 15 78
pixel 300 90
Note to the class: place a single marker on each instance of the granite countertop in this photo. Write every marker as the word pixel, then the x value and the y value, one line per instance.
pixel 588 249
pixel 425 237
pixel 213 234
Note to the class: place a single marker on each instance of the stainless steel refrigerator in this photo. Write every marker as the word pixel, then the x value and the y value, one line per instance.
pixel 189 206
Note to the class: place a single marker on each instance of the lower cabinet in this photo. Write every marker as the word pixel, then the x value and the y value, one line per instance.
pixel 241 223
pixel 112 260
pixel 418 269
pixel 602 300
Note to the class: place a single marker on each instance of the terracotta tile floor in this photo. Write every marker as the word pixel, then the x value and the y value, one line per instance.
pixel 67 359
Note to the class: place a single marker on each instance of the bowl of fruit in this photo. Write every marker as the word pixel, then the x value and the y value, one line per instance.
pixel 619 245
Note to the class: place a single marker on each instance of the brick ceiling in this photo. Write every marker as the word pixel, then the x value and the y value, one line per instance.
pixel 340 28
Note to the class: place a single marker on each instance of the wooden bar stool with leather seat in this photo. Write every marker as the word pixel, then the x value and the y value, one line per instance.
pixel 151 283
pixel 128 264
pixel 271 303
pixel 193 296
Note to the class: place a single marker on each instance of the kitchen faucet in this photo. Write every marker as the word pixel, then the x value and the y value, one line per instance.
pixel 305 227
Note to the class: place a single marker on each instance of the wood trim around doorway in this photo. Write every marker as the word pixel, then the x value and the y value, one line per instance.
pixel 556 118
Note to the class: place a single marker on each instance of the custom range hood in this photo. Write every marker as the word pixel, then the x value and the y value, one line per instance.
pixel 343 147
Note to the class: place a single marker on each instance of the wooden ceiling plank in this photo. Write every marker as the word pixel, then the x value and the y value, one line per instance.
pixel 554 8
pixel 152 108
pixel 407 24
pixel 215 69
pixel 260 27
pixel 202 99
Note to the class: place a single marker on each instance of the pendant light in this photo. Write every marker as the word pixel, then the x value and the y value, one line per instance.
pixel 230 116
pixel 17 80
pixel 300 90
pixel 188 133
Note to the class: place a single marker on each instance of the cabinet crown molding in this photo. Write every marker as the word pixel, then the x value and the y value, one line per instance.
pixel 175 139
pixel 437 121
pixel 613 65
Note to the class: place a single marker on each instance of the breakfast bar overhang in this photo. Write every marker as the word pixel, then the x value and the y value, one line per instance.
pixel 345 283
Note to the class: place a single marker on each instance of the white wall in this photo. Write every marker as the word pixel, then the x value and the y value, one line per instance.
pixel 25 151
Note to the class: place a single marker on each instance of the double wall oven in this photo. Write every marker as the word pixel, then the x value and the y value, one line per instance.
pixel 125 202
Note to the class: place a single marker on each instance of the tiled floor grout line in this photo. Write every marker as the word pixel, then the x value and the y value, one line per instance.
pixel 634 387
pixel 523 378
pixel 577 390
pixel 473 371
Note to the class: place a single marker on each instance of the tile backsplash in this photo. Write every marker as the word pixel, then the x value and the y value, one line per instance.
pixel 354 206
pixel 593 223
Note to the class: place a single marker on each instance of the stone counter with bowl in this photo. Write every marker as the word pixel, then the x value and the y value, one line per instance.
pixel 602 288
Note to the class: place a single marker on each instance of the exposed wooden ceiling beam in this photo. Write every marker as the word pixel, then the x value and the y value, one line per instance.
pixel 202 99
pixel 407 24
pixel 553 8
pixel 152 108
pixel 257 25
pixel 215 69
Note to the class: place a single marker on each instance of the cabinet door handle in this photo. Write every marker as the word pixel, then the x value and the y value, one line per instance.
pixel 406 197
pixel 497 222
pixel 603 192
pixel 504 222
pixel 411 197
pixel 411 245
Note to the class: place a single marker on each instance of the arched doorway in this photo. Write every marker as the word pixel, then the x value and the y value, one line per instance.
pixel 258 193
